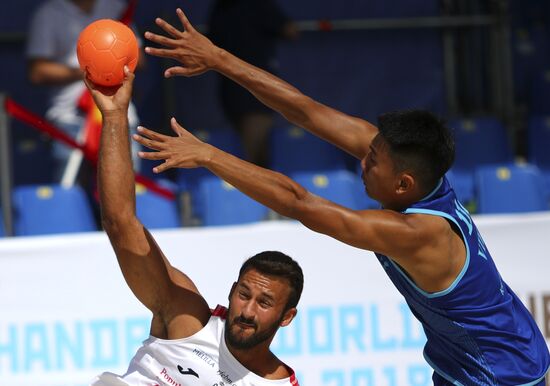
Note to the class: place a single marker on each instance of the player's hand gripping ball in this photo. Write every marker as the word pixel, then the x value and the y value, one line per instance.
pixel 103 49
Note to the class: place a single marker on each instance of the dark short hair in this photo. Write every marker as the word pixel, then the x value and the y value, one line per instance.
pixel 420 142
pixel 278 264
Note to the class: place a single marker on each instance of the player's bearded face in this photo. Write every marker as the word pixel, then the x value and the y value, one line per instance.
pixel 257 305
pixel 242 333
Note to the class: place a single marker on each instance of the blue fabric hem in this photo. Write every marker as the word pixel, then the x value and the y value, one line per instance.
pixel 441 373
pixel 466 263
pixel 534 383
pixel 433 191
pixel 457 383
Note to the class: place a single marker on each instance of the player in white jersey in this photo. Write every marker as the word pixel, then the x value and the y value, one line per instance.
pixel 202 359
pixel 189 344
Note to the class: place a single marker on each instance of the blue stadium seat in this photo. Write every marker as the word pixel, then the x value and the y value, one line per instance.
pixel 293 149
pixel 340 186
pixel 510 189
pixel 478 141
pixel 50 209
pixel 222 204
pixel 155 211
pixel 539 146
pixel 463 185
pixel 188 180
pixel 32 161
pixel 225 139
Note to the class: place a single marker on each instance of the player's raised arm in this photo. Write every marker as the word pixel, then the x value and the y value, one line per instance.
pixel 197 54
pixel 140 258
pixel 414 242
pixel 371 230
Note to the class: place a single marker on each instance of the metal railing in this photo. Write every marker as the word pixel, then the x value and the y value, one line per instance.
pixel 5 169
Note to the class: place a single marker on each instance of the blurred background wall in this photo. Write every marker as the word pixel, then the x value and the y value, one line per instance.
pixel 453 57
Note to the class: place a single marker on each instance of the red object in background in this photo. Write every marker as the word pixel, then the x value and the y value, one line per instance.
pixel 92 125
pixel 325 25
pixel 17 111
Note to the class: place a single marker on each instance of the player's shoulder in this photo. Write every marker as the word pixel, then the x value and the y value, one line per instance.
pixel 220 312
pixel 286 372
pixel 427 225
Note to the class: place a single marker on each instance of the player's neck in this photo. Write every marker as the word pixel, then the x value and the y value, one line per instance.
pixel 260 360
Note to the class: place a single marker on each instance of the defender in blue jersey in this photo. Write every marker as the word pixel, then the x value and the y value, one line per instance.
pixel 479 333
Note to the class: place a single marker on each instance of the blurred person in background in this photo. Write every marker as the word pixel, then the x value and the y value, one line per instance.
pixel 52 61
pixel 251 30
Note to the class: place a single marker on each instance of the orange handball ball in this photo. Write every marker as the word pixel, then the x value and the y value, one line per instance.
pixel 103 49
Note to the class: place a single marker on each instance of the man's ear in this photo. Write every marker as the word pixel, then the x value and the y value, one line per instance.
pixel 231 291
pixel 405 183
pixel 288 316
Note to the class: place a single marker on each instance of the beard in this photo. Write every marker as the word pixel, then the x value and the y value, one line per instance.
pixel 247 342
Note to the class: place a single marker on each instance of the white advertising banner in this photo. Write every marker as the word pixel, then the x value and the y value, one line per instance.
pixel 66 313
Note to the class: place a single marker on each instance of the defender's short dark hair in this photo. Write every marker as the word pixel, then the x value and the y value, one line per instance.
pixel 420 142
pixel 278 264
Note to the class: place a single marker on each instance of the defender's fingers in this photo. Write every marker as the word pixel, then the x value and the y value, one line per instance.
pixel 143 131
pixel 168 28
pixel 177 71
pixel 161 52
pixel 176 127
pixel 184 20
pixel 162 40
pixel 152 155
pixel 162 167
pixel 154 145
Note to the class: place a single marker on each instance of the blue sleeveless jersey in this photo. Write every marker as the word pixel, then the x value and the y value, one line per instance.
pixel 478 331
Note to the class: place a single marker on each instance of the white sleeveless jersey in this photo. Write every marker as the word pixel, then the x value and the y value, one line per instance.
pixel 201 359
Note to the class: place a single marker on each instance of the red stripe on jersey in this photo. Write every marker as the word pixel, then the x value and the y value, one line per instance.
pixel 293 379
pixel 220 311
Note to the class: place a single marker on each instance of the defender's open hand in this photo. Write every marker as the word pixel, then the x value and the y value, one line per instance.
pixel 193 50
pixel 183 151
